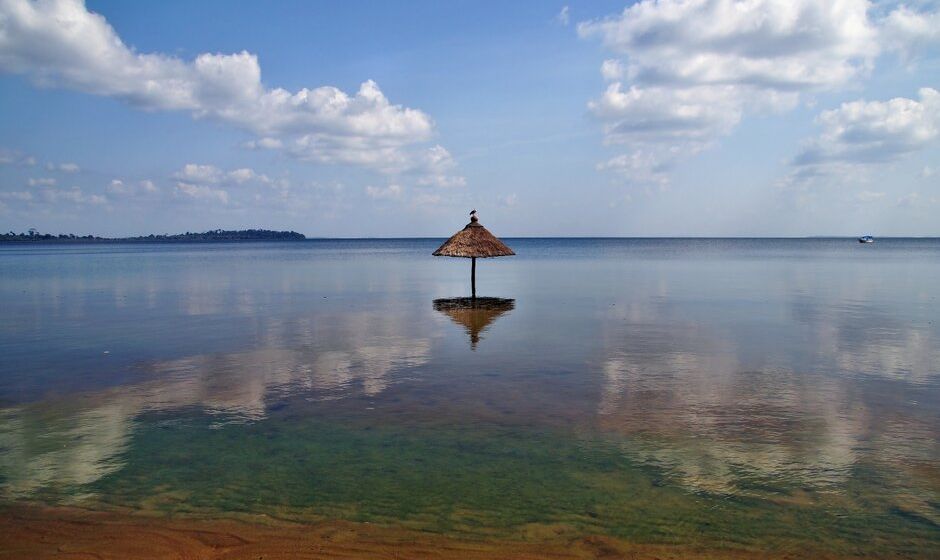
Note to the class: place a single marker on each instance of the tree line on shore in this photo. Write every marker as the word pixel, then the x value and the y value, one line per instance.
pixel 33 236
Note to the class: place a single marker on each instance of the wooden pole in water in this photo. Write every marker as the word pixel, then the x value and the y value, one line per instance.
pixel 473 277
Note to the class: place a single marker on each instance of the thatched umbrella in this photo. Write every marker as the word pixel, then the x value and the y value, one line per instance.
pixel 472 242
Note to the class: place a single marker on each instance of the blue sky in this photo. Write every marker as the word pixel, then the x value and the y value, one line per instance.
pixel 699 117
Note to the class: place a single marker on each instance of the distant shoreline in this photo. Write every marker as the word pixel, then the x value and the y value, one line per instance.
pixel 211 236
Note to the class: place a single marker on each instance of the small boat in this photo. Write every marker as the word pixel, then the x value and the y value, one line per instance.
pixel 866 239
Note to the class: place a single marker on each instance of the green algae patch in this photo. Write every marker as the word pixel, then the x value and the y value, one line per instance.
pixel 477 482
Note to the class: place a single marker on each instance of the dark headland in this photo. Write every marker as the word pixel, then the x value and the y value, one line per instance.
pixel 215 235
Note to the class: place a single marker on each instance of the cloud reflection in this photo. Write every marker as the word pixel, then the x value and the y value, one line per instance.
pixel 722 409
pixel 63 444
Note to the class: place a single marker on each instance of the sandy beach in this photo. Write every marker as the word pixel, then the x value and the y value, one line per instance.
pixel 30 532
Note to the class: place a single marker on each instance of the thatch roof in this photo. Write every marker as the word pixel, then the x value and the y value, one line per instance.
pixel 474 314
pixel 473 240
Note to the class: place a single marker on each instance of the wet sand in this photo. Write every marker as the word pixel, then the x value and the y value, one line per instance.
pixel 37 533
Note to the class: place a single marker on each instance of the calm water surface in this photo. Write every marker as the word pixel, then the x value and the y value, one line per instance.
pixel 754 394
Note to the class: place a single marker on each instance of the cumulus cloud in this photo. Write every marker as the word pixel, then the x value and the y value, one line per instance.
pixel 870 132
pixel 207 182
pixel 264 143
pixel 75 195
pixel 435 168
pixel 22 196
pixel 910 32
pixel 650 115
pixel 120 188
pixel 14 157
pixel 117 186
pixel 196 173
pixel 612 69
pixel 778 44
pixel 63 167
pixel 59 43
pixel 688 71
pixel 201 192
pixel 245 174
pixel 563 17
pixel 212 175
pixel 41 182
pixel 642 166
pixel 659 125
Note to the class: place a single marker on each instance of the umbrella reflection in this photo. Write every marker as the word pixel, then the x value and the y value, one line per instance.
pixel 474 314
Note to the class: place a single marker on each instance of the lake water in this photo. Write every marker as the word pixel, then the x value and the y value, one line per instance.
pixel 775 395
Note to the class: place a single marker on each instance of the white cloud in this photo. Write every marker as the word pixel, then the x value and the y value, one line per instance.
pixel 245 174
pixel 659 125
pixel 206 174
pixel 59 43
pixel 117 186
pixel 507 200
pixel 612 69
pixel 391 191
pixel 870 132
pixel 265 143
pixel 688 71
pixel 563 17
pixel 196 173
pixel 75 195
pixel 206 182
pixel 22 196
pixel 63 167
pixel 120 188
pixel 909 31
pixel 14 157
pixel 650 115
pixel 202 192
pixel 242 175
pixel 642 166
pixel 766 44
pixel 45 190
pixel 434 168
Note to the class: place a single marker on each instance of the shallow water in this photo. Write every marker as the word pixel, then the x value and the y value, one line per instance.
pixel 756 394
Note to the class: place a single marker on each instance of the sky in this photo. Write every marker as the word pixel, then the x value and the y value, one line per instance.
pixel 395 119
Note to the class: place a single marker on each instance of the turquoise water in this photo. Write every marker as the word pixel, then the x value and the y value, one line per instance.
pixel 754 394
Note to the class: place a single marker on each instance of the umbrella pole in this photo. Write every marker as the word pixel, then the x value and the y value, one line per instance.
pixel 473 277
